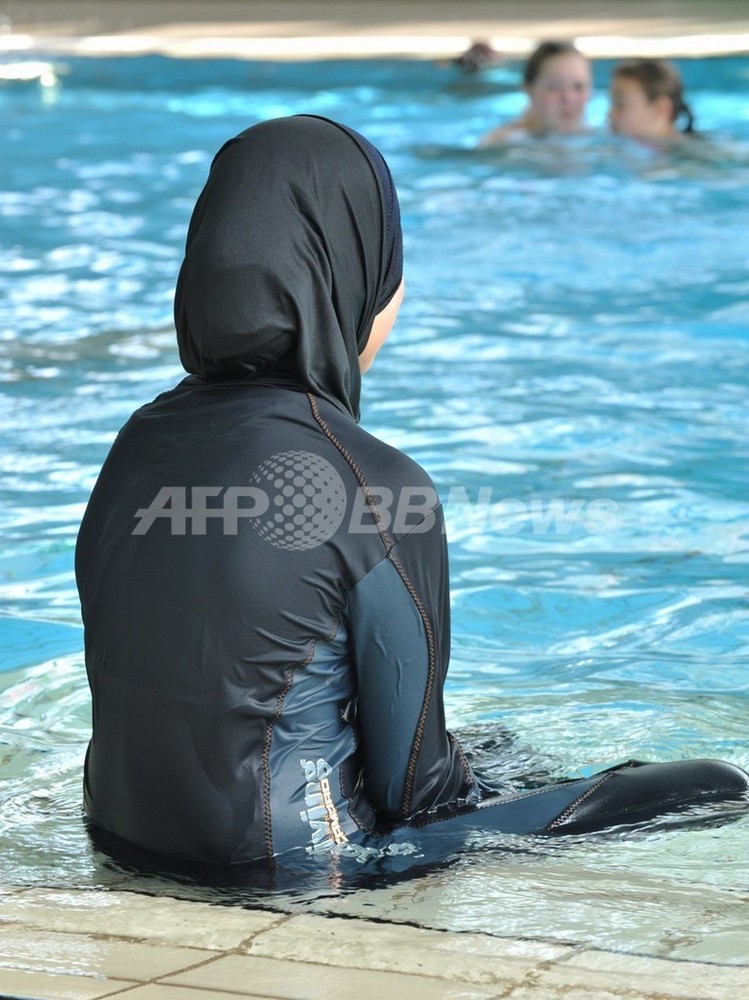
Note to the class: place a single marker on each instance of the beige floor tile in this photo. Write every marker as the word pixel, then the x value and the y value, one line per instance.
pixel 84 955
pixel 159 920
pixel 250 976
pixel 475 958
pixel 720 947
pixel 41 986
pixel 160 991
pixel 616 973
pixel 572 993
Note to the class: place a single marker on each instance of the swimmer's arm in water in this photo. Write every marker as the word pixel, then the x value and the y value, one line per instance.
pixel 399 622
pixel 517 129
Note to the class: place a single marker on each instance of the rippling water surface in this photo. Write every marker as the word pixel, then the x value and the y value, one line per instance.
pixel 571 367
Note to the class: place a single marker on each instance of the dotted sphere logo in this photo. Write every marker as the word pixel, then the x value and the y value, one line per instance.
pixel 306 500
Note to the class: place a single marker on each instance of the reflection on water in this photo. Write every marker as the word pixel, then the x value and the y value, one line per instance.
pixel 569 365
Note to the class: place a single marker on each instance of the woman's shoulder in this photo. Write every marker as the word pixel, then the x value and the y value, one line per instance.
pixel 510 132
pixel 379 462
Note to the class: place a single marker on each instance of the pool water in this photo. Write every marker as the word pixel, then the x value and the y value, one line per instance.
pixel 570 365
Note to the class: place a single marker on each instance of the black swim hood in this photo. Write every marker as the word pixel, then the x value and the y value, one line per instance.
pixel 293 247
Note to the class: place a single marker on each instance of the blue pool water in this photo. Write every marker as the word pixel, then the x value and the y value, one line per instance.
pixel 570 365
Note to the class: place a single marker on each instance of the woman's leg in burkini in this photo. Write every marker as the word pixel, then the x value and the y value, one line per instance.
pixel 623 795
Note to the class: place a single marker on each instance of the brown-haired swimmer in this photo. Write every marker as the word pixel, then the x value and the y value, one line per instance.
pixel 647 101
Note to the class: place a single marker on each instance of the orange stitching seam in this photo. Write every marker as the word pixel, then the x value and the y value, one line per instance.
pixel 265 759
pixel 571 808
pixel 388 544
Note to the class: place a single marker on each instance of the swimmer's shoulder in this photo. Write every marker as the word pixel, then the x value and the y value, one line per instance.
pixel 511 132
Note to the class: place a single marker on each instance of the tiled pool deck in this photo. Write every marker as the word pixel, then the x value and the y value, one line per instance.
pixel 81 945
pixel 84 945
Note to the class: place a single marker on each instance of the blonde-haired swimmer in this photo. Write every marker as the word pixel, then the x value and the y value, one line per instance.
pixel 557 80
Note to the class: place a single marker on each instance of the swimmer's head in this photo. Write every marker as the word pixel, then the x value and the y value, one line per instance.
pixel 647 100
pixel 293 262
pixel 557 80
pixel 478 56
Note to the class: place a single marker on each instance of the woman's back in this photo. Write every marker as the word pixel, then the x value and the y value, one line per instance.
pixel 216 561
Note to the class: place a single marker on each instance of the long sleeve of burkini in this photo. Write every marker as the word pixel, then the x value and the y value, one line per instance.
pixel 399 622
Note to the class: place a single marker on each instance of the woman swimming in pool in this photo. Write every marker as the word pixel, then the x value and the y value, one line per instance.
pixel 264 584
pixel 647 102
pixel 557 81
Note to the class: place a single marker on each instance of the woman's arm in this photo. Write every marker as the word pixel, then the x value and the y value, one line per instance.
pixel 399 622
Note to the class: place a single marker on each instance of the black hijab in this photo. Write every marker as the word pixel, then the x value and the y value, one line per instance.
pixel 293 247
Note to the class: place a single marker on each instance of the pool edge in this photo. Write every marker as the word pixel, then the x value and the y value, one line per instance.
pixel 96 943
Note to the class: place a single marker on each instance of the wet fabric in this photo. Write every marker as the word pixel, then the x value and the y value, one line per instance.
pixel 262 684
pixel 292 249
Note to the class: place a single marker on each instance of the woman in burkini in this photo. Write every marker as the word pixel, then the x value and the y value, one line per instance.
pixel 264 584
pixel 557 81
pixel 647 102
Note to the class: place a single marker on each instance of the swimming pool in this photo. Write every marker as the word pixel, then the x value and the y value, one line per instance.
pixel 570 366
